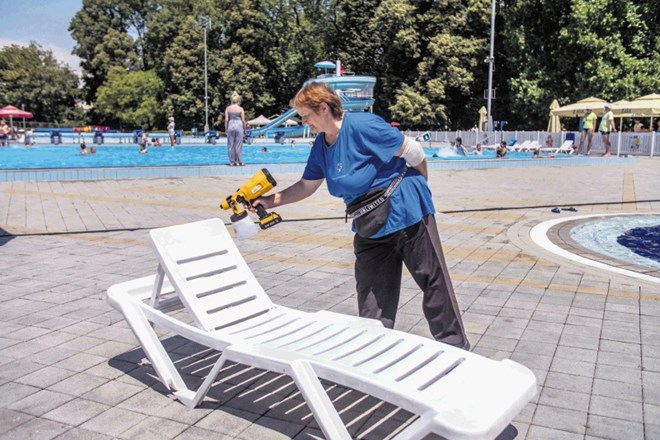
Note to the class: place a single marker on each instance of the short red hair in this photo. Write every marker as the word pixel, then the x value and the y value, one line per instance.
pixel 313 94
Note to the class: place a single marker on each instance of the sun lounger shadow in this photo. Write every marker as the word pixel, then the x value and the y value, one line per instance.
pixel 262 396
pixel 447 391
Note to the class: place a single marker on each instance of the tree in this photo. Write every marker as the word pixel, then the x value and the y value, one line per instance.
pixel 102 29
pixel 131 99
pixel 31 77
pixel 572 49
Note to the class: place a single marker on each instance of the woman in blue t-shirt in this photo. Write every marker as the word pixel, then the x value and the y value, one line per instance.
pixel 358 152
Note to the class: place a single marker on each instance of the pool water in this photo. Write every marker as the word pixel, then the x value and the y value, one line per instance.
pixel 644 241
pixel 632 239
pixel 68 156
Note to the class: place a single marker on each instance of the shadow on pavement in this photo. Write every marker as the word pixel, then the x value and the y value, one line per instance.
pixel 5 237
pixel 265 398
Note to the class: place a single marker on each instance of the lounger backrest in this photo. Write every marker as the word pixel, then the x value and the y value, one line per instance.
pixel 209 274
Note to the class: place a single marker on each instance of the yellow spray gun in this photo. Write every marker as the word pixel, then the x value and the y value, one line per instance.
pixel 258 185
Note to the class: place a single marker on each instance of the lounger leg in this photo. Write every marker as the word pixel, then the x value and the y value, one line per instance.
pixel 305 378
pixel 190 398
pixel 153 348
pixel 318 401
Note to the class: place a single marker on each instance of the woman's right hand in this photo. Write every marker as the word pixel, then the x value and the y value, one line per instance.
pixel 266 202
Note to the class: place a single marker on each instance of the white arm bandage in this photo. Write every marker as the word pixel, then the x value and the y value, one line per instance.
pixel 413 153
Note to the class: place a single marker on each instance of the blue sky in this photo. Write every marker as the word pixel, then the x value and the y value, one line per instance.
pixel 43 21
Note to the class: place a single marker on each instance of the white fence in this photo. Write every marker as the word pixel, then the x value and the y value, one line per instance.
pixel 626 143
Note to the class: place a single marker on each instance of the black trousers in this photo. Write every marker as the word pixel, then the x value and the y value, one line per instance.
pixel 378 268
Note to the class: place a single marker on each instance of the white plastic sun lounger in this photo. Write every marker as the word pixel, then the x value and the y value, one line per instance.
pixel 566 147
pixel 455 393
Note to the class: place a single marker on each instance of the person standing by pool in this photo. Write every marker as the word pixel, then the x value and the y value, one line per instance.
pixel 606 127
pixel 357 154
pixel 4 133
pixel 588 127
pixel 170 129
pixel 234 124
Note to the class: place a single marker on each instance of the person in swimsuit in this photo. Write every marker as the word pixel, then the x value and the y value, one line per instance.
pixel 606 127
pixel 170 129
pixel 234 124
pixel 588 127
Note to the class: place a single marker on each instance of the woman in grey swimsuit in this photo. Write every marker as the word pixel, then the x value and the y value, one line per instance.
pixel 234 125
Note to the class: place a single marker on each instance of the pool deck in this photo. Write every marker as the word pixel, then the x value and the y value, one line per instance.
pixel 71 368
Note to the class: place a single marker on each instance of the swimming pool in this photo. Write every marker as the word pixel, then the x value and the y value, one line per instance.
pixel 68 156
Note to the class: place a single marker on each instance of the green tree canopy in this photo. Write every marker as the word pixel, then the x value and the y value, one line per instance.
pixel 427 55
pixel 131 99
pixel 31 78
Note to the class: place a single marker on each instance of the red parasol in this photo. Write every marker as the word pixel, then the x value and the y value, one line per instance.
pixel 13 112
pixel 394 124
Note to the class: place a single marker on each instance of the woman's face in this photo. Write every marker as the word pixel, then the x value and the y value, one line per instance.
pixel 316 121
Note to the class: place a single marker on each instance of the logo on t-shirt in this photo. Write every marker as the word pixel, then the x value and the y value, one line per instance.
pixel 339 167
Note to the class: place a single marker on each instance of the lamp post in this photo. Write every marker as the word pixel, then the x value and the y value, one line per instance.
pixel 491 61
pixel 205 23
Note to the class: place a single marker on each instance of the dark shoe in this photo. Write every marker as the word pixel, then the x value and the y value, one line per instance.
pixel 556 210
pixel 572 209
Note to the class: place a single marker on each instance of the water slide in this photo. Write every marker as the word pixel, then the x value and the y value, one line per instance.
pixel 273 129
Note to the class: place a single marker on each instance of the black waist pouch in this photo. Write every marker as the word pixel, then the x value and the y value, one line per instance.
pixel 370 212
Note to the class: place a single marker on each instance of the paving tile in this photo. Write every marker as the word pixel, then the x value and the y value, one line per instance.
pixel 195 433
pixel 565 399
pixel 45 377
pixel 80 362
pixel 76 412
pixel 652 414
pixel 154 428
pixel 610 428
pixel 113 422
pixel 40 402
pixel 228 421
pixel 10 419
pixel 618 390
pixel 82 434
pixel 36 429
pixel 78 384
pixel 11 392
pixel 542 433
pixel 112 392
pixel 560 418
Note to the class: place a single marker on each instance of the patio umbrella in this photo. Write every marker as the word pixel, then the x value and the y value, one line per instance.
pixel 554 124
pixel 290 122
pixel 648 105
pixel 482 117
pixel 579 109
pixel 12 112
pixel 259 121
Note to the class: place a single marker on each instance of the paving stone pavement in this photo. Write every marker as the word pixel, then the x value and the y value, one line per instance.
pixel 71 368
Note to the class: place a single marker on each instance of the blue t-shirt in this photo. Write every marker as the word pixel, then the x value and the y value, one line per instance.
pixel 362 158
